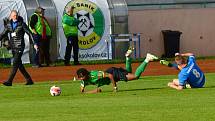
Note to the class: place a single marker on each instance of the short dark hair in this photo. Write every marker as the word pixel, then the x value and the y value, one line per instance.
pixel 82 72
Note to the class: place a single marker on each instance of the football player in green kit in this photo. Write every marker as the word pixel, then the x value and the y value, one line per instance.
pixel 112 75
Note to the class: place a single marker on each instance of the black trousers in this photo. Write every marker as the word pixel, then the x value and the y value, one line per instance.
pixel 17 64
pixel 44 55
pixel 72 42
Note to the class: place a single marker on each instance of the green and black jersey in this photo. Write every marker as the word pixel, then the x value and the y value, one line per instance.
pixel 98 78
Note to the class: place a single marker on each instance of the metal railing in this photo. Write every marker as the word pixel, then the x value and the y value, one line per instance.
pixel 133 39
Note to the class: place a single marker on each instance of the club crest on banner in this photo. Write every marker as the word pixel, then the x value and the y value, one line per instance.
pixel 92 23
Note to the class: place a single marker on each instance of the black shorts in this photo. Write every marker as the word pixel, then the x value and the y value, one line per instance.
pixel 119 74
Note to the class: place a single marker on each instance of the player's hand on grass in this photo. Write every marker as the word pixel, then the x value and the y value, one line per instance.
pixel 99 90
pixel 169 84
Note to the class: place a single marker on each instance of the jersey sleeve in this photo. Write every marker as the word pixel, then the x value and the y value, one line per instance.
pixel 191 59
pixel 182 78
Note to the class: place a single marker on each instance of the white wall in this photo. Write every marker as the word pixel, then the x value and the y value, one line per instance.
pixel 197 25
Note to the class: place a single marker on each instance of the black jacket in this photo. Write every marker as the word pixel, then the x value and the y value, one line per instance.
pixel 16 35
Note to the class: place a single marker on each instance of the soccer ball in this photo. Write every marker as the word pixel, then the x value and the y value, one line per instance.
pixel 55 91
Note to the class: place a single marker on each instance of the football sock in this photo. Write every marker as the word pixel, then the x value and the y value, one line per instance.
pixel 128 64
pixel 141 68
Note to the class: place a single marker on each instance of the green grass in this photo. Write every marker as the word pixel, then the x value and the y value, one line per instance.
pixel 146 99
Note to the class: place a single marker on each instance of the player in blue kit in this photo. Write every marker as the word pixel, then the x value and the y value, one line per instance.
pixel 189 73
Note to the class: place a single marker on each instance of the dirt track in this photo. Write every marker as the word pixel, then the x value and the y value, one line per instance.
pixel 68 72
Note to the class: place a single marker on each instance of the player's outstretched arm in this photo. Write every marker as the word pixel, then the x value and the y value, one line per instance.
pixel 184 54
pixel 172 85
pixel 97 90
pixel 175 84
pixel 82 89
pixel 113 82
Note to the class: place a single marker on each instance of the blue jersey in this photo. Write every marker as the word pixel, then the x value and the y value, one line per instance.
pixel 191 74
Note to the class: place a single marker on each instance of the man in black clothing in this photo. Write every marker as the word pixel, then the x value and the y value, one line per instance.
pixel 16 28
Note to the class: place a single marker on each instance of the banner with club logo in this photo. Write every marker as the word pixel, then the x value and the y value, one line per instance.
pixel 93 29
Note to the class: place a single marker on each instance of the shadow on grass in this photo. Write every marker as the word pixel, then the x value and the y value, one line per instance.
pixel 142 89
pixel 159 88
pixel 131 90
pixel 213 86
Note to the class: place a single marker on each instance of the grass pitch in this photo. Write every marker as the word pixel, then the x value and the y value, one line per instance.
pixel 146 99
